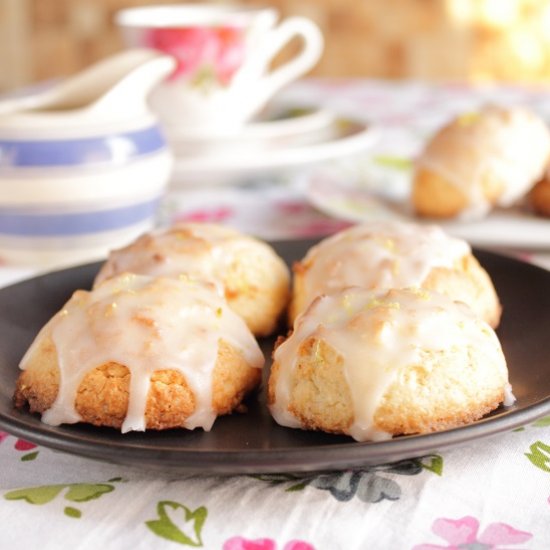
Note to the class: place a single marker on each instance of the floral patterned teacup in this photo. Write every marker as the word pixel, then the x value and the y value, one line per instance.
pixel 223 55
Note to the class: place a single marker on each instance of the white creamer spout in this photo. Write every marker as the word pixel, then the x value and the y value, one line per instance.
pixel 129 77
pixel 113 89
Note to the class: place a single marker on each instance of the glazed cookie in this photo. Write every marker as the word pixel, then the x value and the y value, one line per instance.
pixel 480 160
pixel 374 364
pixel 395 255
pixel 140 353
pixel 253 278
pixel 540 196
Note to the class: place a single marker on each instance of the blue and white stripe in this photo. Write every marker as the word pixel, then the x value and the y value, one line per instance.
pixel 115 148
pixel 95 193
pixel 47 224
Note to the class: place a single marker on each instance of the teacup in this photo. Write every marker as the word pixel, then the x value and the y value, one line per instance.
pixel 223 54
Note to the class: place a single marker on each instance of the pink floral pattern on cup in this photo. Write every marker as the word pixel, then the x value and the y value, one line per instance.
pixel 240 543
pixel 216 52
pixel 463 534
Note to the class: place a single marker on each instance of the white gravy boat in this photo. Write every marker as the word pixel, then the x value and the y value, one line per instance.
pixel 82 163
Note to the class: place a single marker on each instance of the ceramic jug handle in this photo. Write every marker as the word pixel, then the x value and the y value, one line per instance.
pixel 292 27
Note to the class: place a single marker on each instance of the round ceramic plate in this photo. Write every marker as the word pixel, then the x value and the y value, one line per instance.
pixel 383 193
pixel 239 161
pixel 279 122
pixel 252 442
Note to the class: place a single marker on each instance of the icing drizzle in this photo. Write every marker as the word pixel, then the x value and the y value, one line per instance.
pixel 147 325
pixel 378 255
pixel 511 143
pixel 378 334
pixel 201 251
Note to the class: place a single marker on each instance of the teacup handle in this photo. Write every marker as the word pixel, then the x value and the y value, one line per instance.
pixel 279 37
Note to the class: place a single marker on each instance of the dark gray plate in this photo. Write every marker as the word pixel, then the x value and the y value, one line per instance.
pixel 252 442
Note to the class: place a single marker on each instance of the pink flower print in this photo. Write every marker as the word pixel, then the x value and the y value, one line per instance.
pixel 217 49
pixel 240 543
pixel 298 545
pixel 499 533
pixel 462 534
pixel 526 257
pixel 191 47
pixel 231 53
pixel 207 215
pixel 293 207
pixel 319 228
pixel 22 445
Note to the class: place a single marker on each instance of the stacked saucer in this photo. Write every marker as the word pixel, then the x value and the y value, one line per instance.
pixel 286 138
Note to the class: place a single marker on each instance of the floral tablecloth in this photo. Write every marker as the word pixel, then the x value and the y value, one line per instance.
pixel 490 494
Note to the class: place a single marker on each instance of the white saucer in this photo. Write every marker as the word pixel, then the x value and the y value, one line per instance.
pixel 279 121
pixel 364 198
pixel 268 149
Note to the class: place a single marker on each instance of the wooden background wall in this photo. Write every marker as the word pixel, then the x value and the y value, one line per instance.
pixel 435 39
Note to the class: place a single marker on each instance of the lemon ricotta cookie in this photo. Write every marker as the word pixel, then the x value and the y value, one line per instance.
pixel 540 196
pixel 395 255
pixel 480 160
pixel 140 353
pixel 248 272
pixel 374 364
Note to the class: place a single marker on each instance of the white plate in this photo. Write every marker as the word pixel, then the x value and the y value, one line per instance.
pixel 280 121
pixel 289 127
pixel 380 194
pixel 259 159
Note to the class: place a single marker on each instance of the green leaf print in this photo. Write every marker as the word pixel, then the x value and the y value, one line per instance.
pixel 76 492
pixel 297 487
pixel 278 479
pixel 397 163
pixel 540 455
pixel 29 456
pixel 434 465
pixel 36 495
pixel 543 422
pixel 188 527
pixel 72 512
pixel 83 492
pixel 369 483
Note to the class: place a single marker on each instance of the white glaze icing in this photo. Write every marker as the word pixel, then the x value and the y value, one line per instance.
pixel 509 397
pixel 511 143
pixel 379 334
pixel 201 251
pixel 147 325
pixel 378 255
